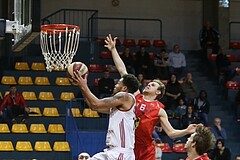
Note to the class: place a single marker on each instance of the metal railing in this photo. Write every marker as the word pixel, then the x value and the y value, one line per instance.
pixel 77 17
pixel 93 26
pixel 81 140
pixel 125 25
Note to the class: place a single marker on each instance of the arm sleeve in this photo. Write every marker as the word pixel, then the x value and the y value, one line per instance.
pixel 3 104
pixel 23 102
pixel 224 134
pixel 183 60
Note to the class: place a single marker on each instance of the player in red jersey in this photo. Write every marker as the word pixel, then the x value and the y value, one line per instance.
pixel 148 111
pixel 199 143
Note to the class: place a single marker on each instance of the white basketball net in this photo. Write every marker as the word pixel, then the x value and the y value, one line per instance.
pixel 59 47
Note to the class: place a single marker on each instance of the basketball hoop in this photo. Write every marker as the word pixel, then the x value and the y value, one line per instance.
pixel 59 44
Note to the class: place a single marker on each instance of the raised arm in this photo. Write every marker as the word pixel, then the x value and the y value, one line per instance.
pixel 111 45
pixel 170 131
pixel 122 100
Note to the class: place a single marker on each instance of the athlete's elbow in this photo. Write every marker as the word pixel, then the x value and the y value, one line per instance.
pixel 94 106
pixel 171 134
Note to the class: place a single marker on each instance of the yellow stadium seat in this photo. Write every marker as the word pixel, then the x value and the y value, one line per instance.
pixel 24 146
pixel 62 81
pixel 55 128
pixel 29 95
pixel 52 112
pixel 37 128
pixel 4 128
pixel 6 146
pixel 42 146
pixel 41 81
pixel 67 96
pixel 95 114
pixel 22 66
pixel 87 112
pixel 46 96
pixel 8 80
pixel 76 112
pixel 61 146
pixel 25 80
pixel 19 128
pixel 38 66
pixel 35 111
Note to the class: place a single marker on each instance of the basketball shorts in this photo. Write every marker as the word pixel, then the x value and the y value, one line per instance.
pixel 145 152
pixel 115 153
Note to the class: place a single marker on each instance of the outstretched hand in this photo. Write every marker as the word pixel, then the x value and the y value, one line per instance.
pixel 80 81
pixel 110 43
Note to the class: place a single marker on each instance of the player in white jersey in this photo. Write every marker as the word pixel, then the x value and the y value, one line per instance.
pixel 121 130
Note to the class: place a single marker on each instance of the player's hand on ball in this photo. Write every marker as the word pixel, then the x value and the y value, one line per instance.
pixel 80 80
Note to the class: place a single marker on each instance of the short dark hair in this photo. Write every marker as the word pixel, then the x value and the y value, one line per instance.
pixel 220 140
pixel 204 140
pixel 131 82
pixel 203 91
pixel 12 85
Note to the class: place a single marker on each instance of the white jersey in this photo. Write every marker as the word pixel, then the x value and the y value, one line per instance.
pixel 121 128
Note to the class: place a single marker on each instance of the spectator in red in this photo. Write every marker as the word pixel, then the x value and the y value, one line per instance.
pixel 13 104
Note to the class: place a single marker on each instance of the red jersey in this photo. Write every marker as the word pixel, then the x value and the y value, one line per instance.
pixel 8 100
pixel 147 118
pixel 202 157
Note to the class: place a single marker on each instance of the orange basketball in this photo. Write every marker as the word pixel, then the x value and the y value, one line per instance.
pixel 78 67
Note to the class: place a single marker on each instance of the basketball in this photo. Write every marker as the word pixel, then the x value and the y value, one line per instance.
pixel 78 67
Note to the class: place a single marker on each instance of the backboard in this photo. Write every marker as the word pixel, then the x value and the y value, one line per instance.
pixel 26 14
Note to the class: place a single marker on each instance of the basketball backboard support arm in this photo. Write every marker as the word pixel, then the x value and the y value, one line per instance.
pixel 7 26
pixel 25 26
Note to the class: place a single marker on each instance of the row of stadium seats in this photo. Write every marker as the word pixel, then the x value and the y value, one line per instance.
pixel 231 57
pixel 53 111
pixel 177 147
pixel 38 66
pixel 27 80
pixel 58 146
pixel 132 43
pixel 108 55
pixel 155 43
pixel 44 96
pixel 60 80
pixel 34 128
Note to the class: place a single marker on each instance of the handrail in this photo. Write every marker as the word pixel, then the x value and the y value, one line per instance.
pixel 87 24
pixel 69 133
pixel 77 17
pixel 125 20
pixel 230 25
pixel 60 10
